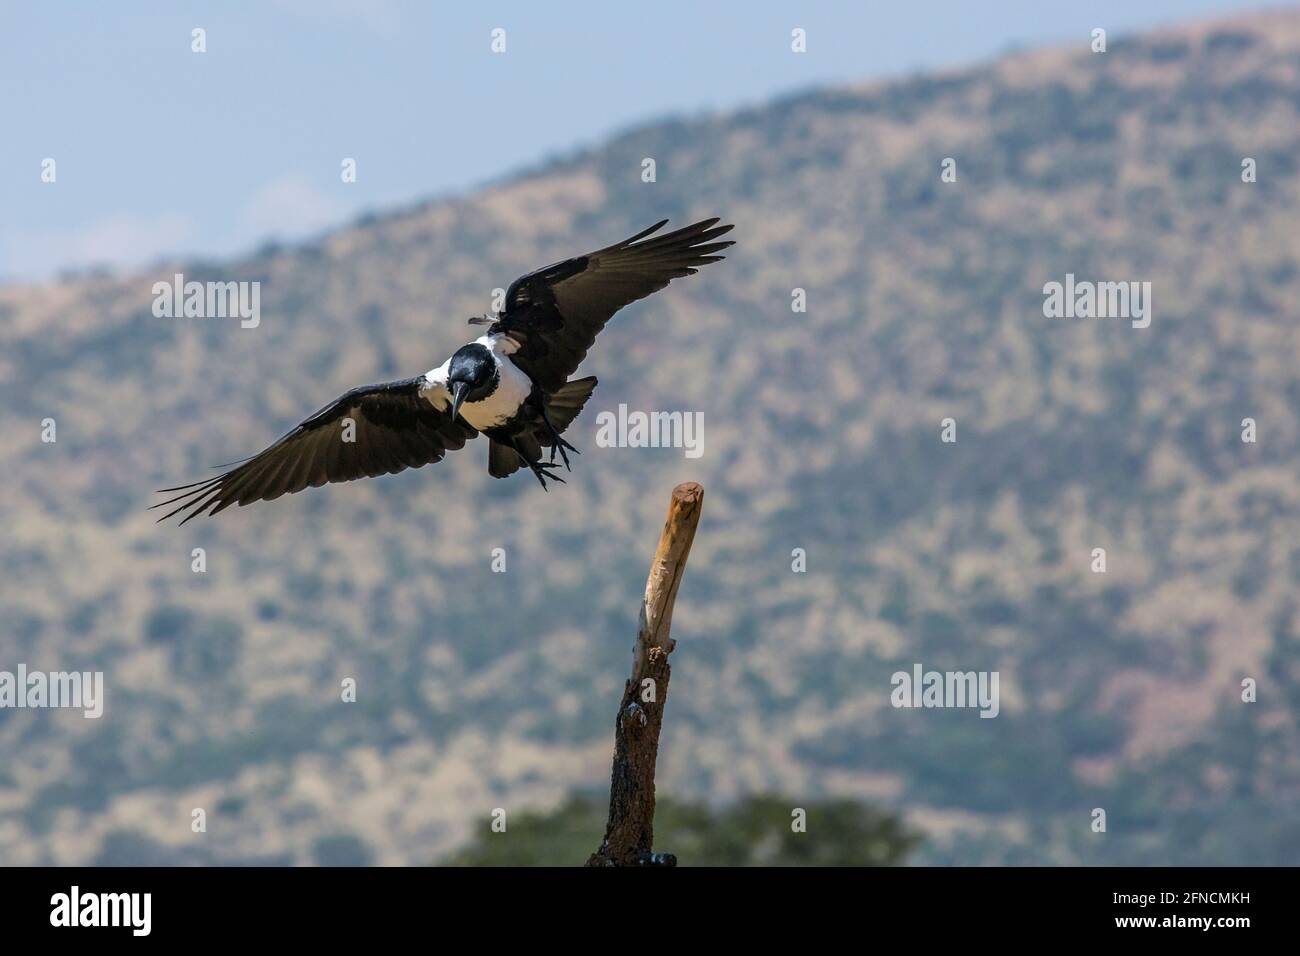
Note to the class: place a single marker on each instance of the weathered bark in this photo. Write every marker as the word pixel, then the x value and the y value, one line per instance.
pixel 629 834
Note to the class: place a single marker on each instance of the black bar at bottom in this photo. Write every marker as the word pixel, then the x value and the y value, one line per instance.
pixel 334 906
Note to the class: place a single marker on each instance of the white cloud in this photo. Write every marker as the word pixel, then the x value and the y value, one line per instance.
pixel 118 242
pixel 287 208
pixel 290 207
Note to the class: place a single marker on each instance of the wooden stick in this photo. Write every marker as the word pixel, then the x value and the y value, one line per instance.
pixel 629 834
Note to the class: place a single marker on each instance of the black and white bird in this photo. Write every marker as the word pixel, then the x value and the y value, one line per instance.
pixel 512 384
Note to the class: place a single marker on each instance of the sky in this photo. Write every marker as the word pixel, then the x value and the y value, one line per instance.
pixel 160 150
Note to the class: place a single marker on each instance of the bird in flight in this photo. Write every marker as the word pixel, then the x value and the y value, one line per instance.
pixel 512 384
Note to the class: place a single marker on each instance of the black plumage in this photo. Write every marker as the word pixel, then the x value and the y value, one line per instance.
pixel 557 312
pixel 394 429
pixel 512 384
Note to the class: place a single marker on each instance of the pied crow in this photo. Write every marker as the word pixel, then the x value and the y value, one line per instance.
pixel 512 384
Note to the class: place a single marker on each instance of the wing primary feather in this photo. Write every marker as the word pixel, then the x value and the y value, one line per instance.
pixel 396 428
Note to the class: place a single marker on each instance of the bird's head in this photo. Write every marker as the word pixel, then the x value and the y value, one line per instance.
pixel 471 375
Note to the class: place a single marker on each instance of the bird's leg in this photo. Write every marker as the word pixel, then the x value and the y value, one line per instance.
pixel 540 468
pixel 556 441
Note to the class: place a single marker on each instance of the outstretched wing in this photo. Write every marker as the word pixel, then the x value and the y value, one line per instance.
pixel 372 430
pixel 556 313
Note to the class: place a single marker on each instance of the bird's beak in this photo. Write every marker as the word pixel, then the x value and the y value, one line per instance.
pixel 458 390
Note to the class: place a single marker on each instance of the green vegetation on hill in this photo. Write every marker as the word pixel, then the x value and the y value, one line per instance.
pixel 755 831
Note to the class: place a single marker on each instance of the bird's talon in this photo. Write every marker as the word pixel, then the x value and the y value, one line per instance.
pixel 542 470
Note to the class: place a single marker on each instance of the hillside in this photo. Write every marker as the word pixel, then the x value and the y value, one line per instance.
pixel 924 301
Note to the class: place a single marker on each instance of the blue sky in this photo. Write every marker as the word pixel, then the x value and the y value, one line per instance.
pixel 162 150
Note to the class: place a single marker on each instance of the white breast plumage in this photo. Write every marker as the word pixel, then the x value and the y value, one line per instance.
pixel 513 387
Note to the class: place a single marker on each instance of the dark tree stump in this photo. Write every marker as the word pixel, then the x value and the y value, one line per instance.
pixel 629 834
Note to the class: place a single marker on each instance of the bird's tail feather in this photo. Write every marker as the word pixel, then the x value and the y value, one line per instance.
pixel 502 460
pixel 563 407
